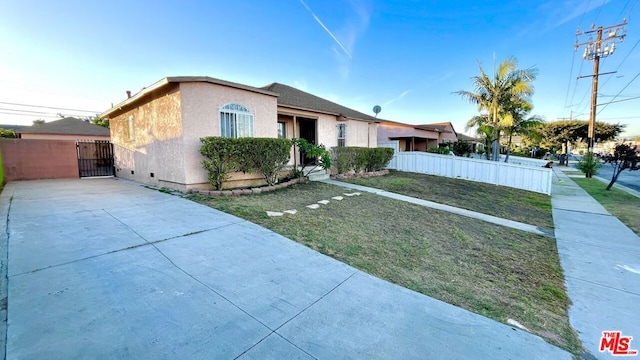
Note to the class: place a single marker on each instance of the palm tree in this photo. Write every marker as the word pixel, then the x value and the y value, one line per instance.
pixel 508 88
pixel 516 122
pixel 484 131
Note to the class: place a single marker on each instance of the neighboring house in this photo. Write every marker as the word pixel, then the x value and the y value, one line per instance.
pixel 476 144
pixel 156 133
pixel 416 137
pixel 65 129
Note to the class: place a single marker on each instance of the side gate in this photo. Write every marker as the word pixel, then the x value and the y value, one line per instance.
pixel 95 158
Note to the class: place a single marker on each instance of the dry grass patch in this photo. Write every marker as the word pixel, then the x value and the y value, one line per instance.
pixel 491 270
pixel 505 202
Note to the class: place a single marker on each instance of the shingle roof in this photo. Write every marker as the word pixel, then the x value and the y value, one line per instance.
pixel 69 126
pixel 11 127
pixel 464 137
pixel 298 99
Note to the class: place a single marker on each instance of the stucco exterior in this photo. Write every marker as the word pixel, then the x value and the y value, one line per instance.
pixel 201 103
pixel 148 153
pixel 156 133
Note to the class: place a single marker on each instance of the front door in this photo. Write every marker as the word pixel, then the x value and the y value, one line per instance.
pixel 308 132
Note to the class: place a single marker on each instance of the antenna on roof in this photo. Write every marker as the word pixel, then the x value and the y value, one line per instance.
pixel 376 110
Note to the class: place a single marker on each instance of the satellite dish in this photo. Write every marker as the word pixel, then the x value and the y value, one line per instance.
pixel 377 109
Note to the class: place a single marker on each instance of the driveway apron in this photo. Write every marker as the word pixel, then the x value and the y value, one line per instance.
pixel 106 268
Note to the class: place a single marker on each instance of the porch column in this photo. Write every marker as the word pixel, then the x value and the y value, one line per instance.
pixel 295 150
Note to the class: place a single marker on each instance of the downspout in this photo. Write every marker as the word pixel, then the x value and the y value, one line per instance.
pixel 295 150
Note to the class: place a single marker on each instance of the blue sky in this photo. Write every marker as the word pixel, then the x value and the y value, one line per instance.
pixel 406 56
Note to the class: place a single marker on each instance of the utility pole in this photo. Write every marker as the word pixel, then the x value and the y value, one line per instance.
pixel 594 50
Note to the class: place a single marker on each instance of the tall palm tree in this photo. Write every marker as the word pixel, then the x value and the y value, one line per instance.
pixel 508 88
pixel 523 126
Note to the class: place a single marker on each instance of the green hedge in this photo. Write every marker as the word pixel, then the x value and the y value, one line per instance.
pixel 359 159
pixel 266 156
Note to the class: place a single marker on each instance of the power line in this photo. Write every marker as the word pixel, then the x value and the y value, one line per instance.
pixel 30 115
pixel 48 107
pixel 617 101
pixel 620 92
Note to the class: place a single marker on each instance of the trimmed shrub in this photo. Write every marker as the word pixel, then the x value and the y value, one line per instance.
pixel 344 158
pixel 361 159
pixel 222 156
pixel 378 158
pixel 266 156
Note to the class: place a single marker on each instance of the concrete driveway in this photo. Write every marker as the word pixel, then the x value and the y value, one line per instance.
pixel 106 268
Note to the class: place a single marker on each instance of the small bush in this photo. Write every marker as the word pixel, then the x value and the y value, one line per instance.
pixel 379 158
pixel 266 156
pixel 589 165
pixel 222 156
pixel 344 158
pixel 361 159
pixel 439 150
pixel 462 148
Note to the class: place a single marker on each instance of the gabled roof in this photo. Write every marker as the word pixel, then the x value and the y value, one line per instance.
pixel 298 99
pixel 11 127
pixel 464 137
pixel 66 126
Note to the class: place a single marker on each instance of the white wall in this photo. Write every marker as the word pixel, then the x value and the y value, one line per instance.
pixel 537 179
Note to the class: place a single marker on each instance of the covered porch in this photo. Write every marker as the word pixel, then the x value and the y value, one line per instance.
pixel 415 143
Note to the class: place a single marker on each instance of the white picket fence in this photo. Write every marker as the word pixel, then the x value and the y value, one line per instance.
pixel 532 178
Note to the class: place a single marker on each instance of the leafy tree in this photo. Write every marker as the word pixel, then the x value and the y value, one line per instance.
pixel 38 122
pixel 100 121
pixel 7 133
pixel 509 88
pixel 555 134
pixel 624 157
pixel 521 124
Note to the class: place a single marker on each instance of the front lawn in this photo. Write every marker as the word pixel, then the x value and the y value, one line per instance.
pixel 620 204
pixel 491 270
pixel 505 202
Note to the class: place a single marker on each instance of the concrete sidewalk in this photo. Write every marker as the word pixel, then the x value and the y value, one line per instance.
pixel 452 209
pixel 106 268
pixel 601 261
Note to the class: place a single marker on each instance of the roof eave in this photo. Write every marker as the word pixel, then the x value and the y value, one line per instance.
pixel 325 112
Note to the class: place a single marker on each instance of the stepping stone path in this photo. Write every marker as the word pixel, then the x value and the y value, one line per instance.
pixel 312 206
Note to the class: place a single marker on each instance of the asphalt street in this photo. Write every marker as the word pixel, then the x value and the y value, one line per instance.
pixel 630 179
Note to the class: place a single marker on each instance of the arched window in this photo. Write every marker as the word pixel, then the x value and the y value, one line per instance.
pixel 236 121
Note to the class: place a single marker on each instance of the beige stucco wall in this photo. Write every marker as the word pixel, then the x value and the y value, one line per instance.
pixel 157 144
pixel 63 137
pixel 201 103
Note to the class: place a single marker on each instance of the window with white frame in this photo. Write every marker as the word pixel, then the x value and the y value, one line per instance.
pixel 342 134
pixel 236 121
pixel 131 128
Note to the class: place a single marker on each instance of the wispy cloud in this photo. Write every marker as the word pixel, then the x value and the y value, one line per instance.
pixel 574 11
pixel 403 94
pixel 326 29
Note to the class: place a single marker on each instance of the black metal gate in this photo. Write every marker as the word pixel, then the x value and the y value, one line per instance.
pixel 95 158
